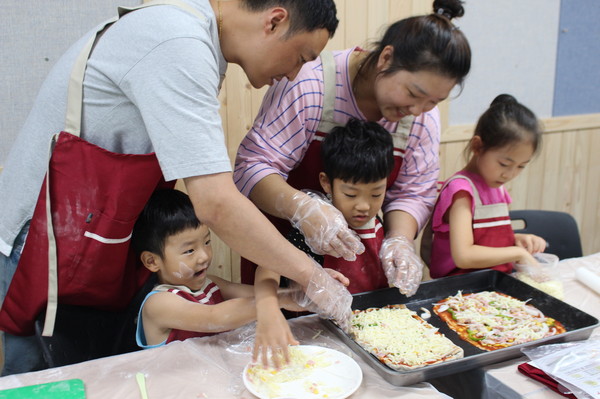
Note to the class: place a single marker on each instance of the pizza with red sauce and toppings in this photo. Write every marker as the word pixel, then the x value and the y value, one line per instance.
pixel 492 320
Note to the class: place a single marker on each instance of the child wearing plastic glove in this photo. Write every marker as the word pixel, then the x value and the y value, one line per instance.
pixel 401 264
pixel 186 303
pixel 355 183
pixel 471 223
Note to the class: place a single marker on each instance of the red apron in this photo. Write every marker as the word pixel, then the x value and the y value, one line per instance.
pixel 92 198
pixel 365 273
pixel 491 228
pixel 306 174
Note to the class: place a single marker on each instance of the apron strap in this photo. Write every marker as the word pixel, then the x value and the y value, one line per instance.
pixel 329 78
pixel 490 211
pixel 75 90
pixel 402 131
pixel 73 126
pixel 475 192
pixel 52 304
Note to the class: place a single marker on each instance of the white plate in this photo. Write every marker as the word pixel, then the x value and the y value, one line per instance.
pixel 333 376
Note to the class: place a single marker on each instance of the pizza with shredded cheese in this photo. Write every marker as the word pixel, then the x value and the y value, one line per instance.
pixel 492 320
pixel 399 338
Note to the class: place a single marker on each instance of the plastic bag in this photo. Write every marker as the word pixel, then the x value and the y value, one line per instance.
pixel 570 365
pixel 543 276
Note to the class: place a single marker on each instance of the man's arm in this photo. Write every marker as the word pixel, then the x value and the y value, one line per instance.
pixel 220 205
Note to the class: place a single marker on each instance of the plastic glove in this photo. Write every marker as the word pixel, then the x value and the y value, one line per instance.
pixel 402 266
pixel 324 228
pixel 325 296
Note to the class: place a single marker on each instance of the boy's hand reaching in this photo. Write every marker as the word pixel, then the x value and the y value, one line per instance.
pixel 532 243
pixel 273 336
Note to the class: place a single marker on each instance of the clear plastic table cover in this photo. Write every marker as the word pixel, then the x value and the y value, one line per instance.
pixel 208 367
pixel 504 380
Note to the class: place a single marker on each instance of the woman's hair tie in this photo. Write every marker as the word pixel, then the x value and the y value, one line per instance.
pixel 443 12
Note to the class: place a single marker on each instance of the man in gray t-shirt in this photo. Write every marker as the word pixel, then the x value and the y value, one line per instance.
pixel 151 85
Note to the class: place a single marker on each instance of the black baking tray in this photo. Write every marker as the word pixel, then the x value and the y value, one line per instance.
pixel 579 325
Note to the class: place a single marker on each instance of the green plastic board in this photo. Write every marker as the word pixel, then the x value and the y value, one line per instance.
pixel 67 389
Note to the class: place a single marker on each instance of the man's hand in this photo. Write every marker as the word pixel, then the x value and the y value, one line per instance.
pixel 325 296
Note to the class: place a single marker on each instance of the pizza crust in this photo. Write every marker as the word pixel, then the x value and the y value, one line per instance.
pixel 401 339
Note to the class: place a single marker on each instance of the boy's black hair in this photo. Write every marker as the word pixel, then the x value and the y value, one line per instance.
pixel 360 152
pixel 167 212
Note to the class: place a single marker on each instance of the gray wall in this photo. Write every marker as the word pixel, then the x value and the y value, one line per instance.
pixel 33 35
pixel 544 52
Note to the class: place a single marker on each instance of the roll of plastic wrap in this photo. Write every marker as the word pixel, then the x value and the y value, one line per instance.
pixel 589 278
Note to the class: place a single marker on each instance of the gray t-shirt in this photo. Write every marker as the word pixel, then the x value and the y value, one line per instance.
pixel 151 85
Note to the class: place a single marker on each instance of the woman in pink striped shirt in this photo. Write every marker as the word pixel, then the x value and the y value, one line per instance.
pixel 397 84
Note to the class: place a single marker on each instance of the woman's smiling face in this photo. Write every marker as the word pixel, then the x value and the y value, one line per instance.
pixel 405 93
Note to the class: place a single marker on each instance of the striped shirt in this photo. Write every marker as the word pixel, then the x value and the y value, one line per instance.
pixel 288 120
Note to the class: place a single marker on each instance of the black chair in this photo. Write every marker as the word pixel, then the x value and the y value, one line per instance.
pixel 559 229
pixel 84 333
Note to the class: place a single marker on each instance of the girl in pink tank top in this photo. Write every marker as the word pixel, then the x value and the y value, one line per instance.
pixel 470 222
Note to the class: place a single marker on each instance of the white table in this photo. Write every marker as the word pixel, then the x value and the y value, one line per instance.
pixel 503 380
pixel 204 368
pixel 212 367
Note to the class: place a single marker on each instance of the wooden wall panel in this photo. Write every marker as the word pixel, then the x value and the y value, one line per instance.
pixel 589 222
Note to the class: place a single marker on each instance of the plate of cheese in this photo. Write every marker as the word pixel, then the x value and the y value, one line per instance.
pixel 313 372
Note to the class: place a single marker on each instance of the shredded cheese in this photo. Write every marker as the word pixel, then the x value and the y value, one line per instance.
pixel 396 335
pixel 550 287
pixel 269 380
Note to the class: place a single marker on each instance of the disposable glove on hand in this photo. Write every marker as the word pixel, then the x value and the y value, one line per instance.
pixel 324 228
pixel 402 266
pixel 325 296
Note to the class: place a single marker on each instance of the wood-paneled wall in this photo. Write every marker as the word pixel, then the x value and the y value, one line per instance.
pixel 564 177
